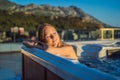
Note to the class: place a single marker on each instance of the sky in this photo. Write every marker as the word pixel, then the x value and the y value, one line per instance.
pixel 107 11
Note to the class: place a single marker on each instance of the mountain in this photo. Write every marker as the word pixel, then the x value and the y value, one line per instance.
pixel 7 5
pixel 47 10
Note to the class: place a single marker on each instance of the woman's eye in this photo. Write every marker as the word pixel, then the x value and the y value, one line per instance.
pixel 47 37
pixel 54 33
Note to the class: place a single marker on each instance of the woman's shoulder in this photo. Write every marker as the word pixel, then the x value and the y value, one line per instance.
pixel 64 44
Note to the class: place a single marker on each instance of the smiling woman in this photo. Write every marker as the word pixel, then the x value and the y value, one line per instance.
pixel 49 40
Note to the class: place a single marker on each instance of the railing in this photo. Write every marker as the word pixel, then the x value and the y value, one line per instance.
pixel 40 65
pixel 10 47
pixel 98 34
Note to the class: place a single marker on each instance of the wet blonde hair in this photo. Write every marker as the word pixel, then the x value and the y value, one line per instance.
pixel 41 33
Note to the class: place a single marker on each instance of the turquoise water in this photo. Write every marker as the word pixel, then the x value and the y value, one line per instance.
pixel 10 63
pixel 10 66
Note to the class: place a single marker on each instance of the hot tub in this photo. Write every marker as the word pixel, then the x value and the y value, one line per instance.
pixel 38 64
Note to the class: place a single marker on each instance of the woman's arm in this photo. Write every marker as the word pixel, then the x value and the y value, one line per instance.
pixel 35 44
pixel 65 51
pixel 28 44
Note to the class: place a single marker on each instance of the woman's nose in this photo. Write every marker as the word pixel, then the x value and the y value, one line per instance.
pixel 52 36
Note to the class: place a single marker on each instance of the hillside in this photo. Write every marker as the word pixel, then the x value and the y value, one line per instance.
pixel 67 17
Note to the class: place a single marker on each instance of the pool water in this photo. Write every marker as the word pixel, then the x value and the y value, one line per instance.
pixel 10 66
pixel 107 65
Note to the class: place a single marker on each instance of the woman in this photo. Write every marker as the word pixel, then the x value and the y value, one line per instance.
pixel 49 40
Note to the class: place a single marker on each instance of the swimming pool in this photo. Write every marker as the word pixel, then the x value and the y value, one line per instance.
pixel 10 66
pixel 10 63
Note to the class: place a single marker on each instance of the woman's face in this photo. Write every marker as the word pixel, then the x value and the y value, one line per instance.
pixel 51 36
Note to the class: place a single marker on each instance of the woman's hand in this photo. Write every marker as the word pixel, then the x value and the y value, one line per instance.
pixel 36 44
pixel 42 45
pixel 28 43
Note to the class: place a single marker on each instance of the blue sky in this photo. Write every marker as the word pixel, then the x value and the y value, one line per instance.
pixel 107 11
